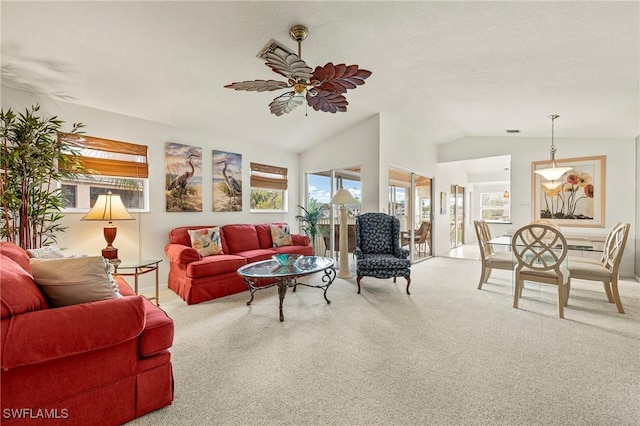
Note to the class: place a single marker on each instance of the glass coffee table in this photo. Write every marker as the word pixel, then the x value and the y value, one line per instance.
pixel 287 276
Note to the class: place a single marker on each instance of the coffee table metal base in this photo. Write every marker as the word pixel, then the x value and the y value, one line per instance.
pixel 284 282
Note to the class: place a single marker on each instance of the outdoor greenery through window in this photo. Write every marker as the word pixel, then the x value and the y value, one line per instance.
pixel 268 188
pixel 495 207
pixel 119 167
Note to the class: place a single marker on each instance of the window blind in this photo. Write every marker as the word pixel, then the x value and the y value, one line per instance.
pixel 268 177
pixel 112 158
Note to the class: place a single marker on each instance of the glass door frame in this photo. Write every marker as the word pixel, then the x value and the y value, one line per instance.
pixel 457 216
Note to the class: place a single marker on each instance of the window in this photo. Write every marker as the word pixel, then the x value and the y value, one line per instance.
pixel 268 188
pixel 494 206
pixel 119 167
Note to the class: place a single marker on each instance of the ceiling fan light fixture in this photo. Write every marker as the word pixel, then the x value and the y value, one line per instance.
pixel 323 88
pixel 552 172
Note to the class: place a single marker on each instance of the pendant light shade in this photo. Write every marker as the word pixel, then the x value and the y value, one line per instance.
pixel 552 172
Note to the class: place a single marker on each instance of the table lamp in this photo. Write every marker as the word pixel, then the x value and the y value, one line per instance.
pixel 109 207
pixel 343 197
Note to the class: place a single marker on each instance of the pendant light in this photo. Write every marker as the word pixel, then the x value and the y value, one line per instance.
pixel 552 173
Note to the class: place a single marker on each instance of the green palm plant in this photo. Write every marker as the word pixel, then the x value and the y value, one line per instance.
pixel 311 219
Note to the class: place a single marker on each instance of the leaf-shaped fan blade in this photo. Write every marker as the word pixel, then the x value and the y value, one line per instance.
pixel 290 66
pixel 258 85
pixel 339 78
pixel 285 103
pixel 328 102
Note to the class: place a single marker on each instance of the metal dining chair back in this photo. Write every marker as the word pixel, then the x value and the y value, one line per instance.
pixel 540 252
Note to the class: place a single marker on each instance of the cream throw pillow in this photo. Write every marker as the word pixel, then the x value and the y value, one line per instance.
pixel 206 241
pixel 280 235
pixel 71 281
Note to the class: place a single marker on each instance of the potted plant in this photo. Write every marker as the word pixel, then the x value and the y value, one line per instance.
pixel 35 154
pixel 310 220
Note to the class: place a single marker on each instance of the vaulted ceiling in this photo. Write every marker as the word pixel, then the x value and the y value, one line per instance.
pixel 442 69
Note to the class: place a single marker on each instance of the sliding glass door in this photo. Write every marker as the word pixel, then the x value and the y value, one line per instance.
pixel 456 218
pixel 410 200
pixel 321 186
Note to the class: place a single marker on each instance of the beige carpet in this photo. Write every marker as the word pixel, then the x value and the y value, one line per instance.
pixel 449 354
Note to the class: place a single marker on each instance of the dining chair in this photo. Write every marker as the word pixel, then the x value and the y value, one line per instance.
pixel 605 249
pixel 421 238
pixel 540 252
pixel 606 271
pixel 489 258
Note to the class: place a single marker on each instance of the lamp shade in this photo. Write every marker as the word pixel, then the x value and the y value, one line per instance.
pixel 108 207
pixel 552 184
pixel 552 173
pixel 343 197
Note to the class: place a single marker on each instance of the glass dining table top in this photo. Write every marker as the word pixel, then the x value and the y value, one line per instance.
pixel 573 243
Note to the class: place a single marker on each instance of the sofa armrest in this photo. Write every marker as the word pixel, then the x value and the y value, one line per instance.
pixel 40 336
pixel 177 253
pixel 300 240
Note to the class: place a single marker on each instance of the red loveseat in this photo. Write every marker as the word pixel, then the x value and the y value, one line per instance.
pixel 97 363
pixel 197 279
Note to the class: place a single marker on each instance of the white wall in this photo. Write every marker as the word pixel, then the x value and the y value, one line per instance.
pixel 358 146
pixel 403 149
pixel 147 235
pixel 637 230
pixel 620 199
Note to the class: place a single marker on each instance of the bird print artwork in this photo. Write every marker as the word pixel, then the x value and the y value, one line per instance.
pixel 183 177
pixel 227 181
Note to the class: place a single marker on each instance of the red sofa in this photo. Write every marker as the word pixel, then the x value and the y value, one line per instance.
pixel 197 279
pixel 97 363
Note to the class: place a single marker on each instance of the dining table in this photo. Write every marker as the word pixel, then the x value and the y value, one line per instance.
pixel 575 243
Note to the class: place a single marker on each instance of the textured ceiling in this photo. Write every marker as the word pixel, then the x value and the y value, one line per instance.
pixel 443 69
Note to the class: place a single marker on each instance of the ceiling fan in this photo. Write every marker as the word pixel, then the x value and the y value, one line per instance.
pixel 323 88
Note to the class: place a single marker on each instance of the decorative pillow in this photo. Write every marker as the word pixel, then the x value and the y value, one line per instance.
pixel 109 269
pixel 206 241
pixel 49 252
pixel 281 236
pixel 71 281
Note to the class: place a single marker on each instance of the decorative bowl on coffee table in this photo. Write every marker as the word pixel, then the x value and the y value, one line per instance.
pixel 286 259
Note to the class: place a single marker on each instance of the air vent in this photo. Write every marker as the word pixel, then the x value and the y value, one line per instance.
pixel 273 47
pixel 513 131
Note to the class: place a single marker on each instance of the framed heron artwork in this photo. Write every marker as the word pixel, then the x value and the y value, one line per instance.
pixel 183 177
pixel 227 181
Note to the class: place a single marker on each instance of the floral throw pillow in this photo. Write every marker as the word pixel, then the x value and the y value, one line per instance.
pixel 281 236
pixel 206 241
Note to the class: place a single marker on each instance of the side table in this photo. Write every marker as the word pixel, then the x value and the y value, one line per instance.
pixel 135 269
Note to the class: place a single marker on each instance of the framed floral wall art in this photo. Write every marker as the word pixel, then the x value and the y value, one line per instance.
pixel 579 200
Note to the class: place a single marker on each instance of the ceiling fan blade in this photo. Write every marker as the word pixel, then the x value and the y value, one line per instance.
pixel 339 78
pixel 285 103
pixel 328 102
pixel 258 85
pixel 289 66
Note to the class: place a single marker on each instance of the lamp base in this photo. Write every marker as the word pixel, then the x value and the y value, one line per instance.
pixel 110 253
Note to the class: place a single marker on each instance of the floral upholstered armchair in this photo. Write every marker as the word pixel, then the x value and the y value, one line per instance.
pixel 378 252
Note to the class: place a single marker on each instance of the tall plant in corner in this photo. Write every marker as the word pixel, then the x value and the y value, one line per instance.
pixel 311 219
pixel 35 155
